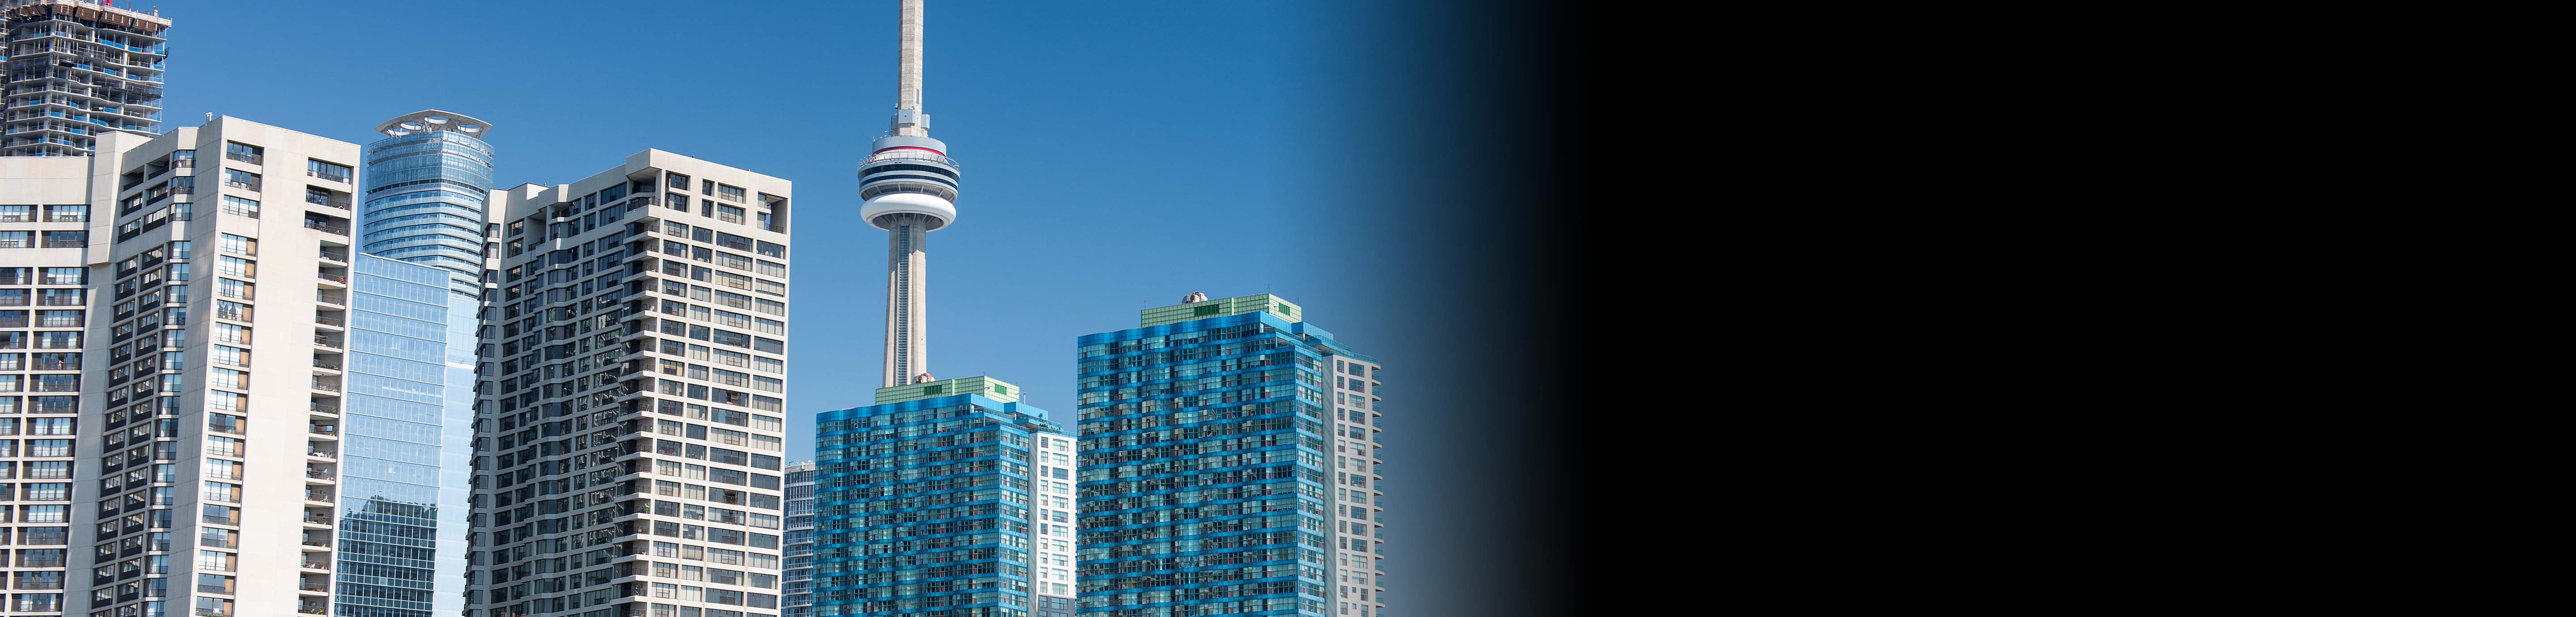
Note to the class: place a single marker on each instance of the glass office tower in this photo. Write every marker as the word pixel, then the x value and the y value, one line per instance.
pixel 402 499
pixel 1225 470
pixel 923 502
pixel 427 184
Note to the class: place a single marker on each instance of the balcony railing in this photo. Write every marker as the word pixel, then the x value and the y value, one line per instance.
pixel 325 386
pixel 253 159
pixel 326 227
pixel 325 341
pixel 323 408
pixel 249 185
pixel 326 175
pixel 326 200
pixel 336 278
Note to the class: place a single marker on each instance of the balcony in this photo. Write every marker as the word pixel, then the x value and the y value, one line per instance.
pixel 322 429
pixel 326 199
pixel 253 159
pixel 247 185
pixel 326 227
pixel 325 340
pixel 333 176
pixel 341 279
pixel 326 364
pixel 317 518
pixel 321 407
pixel 338 256
pixel 330 385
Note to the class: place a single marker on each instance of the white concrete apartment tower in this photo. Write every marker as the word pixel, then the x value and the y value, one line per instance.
pixel 211 419
pixel 633 365
pixel 46 260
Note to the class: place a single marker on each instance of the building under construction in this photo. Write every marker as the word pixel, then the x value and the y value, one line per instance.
pixel 75 69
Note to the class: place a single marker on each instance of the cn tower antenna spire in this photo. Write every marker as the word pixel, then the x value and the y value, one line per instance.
pixel 908 118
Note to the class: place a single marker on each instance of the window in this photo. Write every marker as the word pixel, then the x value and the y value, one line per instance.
pixel 65 276
pixel 241 179
pixel 237 244
pixel 67 214
pixel 17 214
pixel 243 152
pixel 66 239
pixel 244 207
pixel 334 172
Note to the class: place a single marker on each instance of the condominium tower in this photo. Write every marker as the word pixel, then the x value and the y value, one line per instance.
pixel 1228 465
pixel 75 70
pixel 247 385
pixel 46 258
pixel 633 364
pixel 947 498
pixel 796 597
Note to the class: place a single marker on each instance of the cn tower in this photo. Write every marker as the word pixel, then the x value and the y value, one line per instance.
pixel 910 188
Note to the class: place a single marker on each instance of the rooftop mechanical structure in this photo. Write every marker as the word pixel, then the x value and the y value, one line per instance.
pixel 910 189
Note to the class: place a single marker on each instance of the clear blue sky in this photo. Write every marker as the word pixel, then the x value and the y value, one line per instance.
pixel 1116 155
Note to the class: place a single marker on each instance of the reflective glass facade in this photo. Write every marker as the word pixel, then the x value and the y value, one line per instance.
pixel 402 498
pixel 1205 474
pixel 425 197
pixel 922 507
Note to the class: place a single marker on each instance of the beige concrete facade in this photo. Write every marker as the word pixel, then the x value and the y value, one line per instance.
pixel 630 458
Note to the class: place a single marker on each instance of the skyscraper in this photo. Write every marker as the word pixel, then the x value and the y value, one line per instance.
pixel 628 442
pixel 1228 459
pixel 939 501
pixel 251 305
pixel 796 597
pixel 425 186
pixel 46 258
pixel 910 189
pixel 75 70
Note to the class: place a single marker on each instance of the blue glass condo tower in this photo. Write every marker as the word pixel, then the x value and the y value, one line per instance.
pixel 922 502
pixel 1210 440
